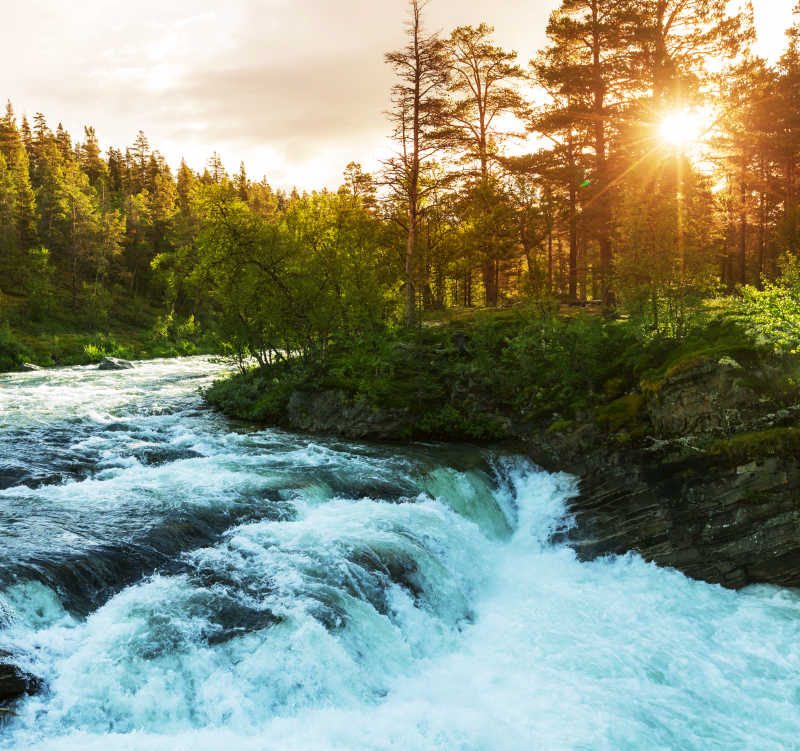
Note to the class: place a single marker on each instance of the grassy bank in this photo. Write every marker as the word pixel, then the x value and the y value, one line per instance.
pixel 487 376
pixel 131 330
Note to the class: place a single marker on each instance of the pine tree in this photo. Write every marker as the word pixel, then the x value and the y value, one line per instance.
pixel 589 66
pixel 482 91
pixel 186 181
pixel 421 72
pixel 91 161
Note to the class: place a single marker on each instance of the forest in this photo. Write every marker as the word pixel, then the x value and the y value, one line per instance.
pixel 662 174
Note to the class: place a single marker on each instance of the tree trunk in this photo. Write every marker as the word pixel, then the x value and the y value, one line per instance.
pixel 743 234
pixel 573 243
pixel 489 283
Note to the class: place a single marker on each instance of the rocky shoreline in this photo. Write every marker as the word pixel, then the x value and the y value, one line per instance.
pixel 710 485
pixel 699 471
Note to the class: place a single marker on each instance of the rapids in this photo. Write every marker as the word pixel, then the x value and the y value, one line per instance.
pixel 180 582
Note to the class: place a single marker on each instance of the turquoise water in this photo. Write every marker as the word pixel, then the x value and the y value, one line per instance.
pixel 181 582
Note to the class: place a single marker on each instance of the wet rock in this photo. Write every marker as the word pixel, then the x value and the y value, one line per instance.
pixel 114 363
pixel 722 510
pixel 29 367
pixel 164 455
pixel 734 525
pixel 15 682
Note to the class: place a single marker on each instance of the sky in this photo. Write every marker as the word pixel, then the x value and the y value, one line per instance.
pixel 294 88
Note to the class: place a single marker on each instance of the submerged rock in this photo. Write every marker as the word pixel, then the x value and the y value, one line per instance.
pixel 114 363
pixel 15 682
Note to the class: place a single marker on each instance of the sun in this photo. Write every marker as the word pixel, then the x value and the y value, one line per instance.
pixel 682 128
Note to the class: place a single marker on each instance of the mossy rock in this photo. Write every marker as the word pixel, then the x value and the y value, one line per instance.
pixel 614 388
pixel 561 426
pixel 625 413
pixel 748 447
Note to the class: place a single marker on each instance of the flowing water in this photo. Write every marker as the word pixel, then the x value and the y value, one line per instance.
pixel 183 583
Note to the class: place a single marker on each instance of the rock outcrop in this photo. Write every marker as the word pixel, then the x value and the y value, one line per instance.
pixel 114 363
pixel 710 487
pixel 702 396
pixel 334 412
pixel 732 525
pixel 15 682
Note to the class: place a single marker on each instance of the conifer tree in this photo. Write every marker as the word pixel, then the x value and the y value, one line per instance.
pixel 421 72
pixel 482 91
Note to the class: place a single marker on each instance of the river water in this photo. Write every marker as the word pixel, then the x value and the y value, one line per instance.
pixel 180 582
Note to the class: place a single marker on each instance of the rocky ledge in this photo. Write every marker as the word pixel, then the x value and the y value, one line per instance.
pixel 14 682
pixel 698 471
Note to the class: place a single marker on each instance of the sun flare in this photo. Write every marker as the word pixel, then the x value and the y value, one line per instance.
pixel 682 128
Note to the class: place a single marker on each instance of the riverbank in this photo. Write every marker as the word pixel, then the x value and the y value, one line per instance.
pixel 134 332
pixel 687 450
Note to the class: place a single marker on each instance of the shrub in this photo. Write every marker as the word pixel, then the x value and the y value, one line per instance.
pixel 12 352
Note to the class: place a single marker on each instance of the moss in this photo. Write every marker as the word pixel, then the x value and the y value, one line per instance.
pixel 748 447
pixel 718 338
pixel 614 388
pixel 624 413
pixel 561 426
pixel 687 365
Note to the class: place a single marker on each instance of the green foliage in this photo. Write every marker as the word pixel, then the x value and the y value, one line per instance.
pixel 103 345
pixel 460 381
pixel 12 352
pixel 173 336
pixel 258 395
pixel 621 414
pixel 39 284
pixel 560 426
pixel 772 316
pixel 720 336
pixel 290 285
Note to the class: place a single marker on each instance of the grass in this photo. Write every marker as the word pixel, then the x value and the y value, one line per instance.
pixel 130 331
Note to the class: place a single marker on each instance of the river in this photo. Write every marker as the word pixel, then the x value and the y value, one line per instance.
pixel 180 582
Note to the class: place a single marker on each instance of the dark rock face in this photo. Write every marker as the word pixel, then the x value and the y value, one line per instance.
pixel 732 519
pixel 732 526
pixel 14 682
pixel 706 398
pixel 114 363
pixel 333 412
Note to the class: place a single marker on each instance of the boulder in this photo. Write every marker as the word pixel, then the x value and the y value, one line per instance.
pixel 29 367
pixel 114 363
pixel 15 682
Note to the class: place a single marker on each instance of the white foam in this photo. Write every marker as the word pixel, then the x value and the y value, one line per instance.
pixel 418 625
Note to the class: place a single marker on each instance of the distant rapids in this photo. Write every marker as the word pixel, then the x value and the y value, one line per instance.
pixel 180 582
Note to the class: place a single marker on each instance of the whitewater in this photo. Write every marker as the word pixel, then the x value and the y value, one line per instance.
pixel 182 582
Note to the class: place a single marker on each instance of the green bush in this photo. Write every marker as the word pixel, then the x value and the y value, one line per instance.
pixel 12 352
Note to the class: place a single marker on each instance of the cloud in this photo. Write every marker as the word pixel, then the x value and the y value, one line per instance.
pixel 295 88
